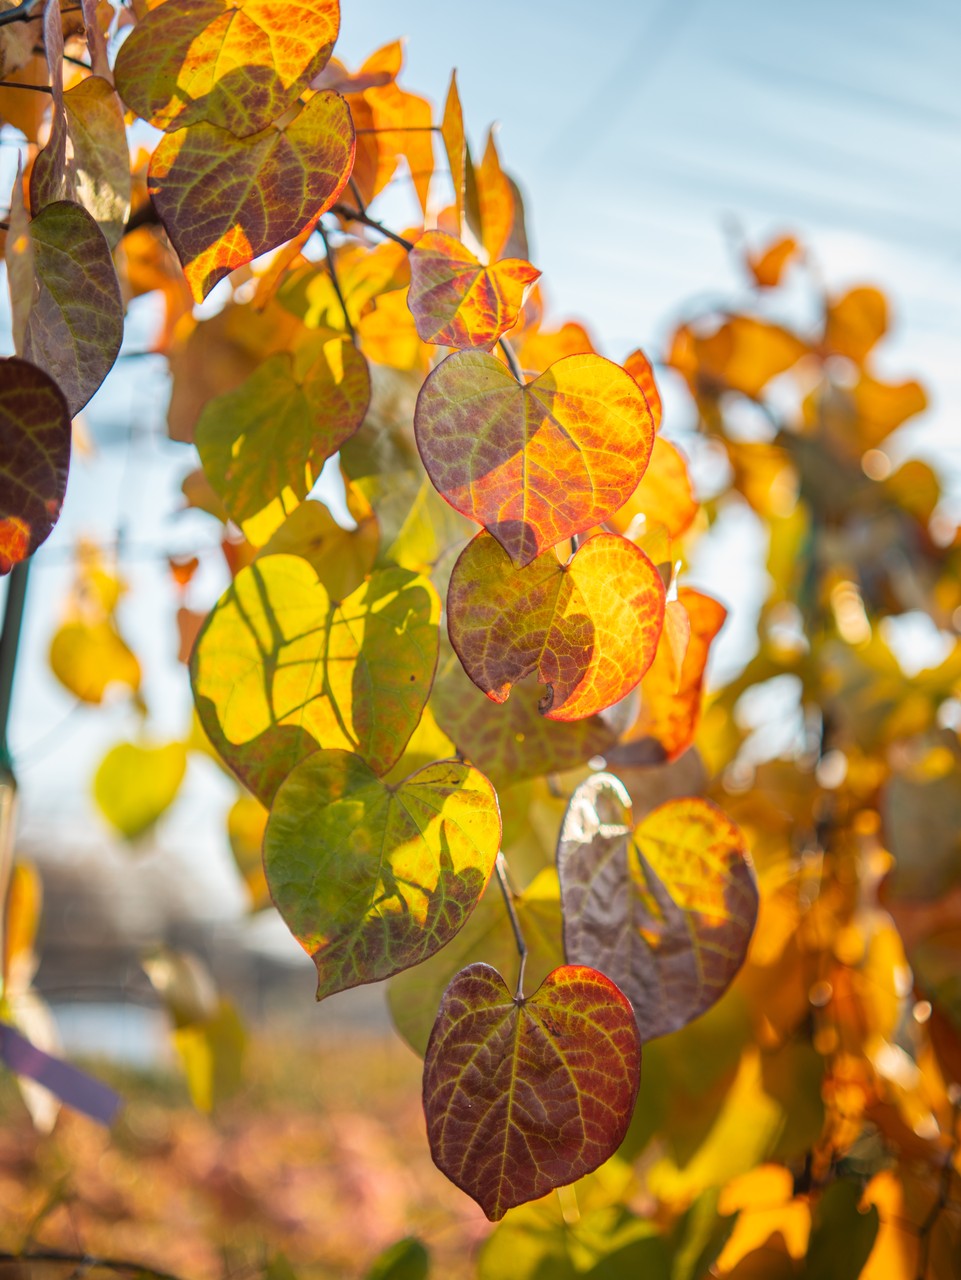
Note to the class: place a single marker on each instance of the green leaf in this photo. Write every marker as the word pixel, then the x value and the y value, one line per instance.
pixel 405 1260
pixel 667 908
pixel 134 785
pixel 372 878
pixel 34 459
pixel 263 445
pixel 522 1096
pixel 281 669
pixel 341 557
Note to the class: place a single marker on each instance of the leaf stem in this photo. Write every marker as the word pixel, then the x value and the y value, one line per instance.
pixel 359 215
pixel 512 362
pixel 355 192
pixel 403 128
pixel 500 870
pixel 336 283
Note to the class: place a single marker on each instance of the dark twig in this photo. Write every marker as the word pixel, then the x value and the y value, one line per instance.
pixel 21 13
pixel 34 88
pixel 86 1261
pixel 512 362
pixel 336 283
pixel 500 870
pixel 356 215
pixel 355 192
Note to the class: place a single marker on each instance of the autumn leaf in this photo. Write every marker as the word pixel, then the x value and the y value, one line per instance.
pixel 341 557
pixel 524 1095
pixel 495 198
pixel 533 463
pixel 238 67
pixel 263 445
pixel 455 145
pixel 135 784
pixel 372 878
pixel 855 322
pixel 768 265
pixel 589 629
pixel 668 906
pixel 34 458
pixel 742 353
pixel 455 301
pixel 639 367
pixel 281 669
pixel 256 192
pixel 664 496
pixel 88 657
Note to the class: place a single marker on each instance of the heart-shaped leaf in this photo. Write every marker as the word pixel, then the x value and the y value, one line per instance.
pixel 537 463
pixel 34 458
pixel 524 1095
pixel 639 367
pixel 455 301
pixel 664 496
pixel 281 669
pixel 263 445
pixel 134 785
pixel 667 908
pixel 372 878
pixel 588 628
pixel 254 192
pixel 238 66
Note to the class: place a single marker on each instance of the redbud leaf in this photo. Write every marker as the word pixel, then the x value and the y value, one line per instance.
pixel 455 145
pixel 639 367
pixel 372 878
pixel 255 192
pixel 533 463
pixel 495 198
pixel 88 657
pixel 97 165
pixel 281 669
pixel 668 906
pixel 455 301
pixel 664 496
pixel 134 784
pixel 263 444
pixel 34 458
pixel 238 66
pixel 342 557
pixel 589 629
pixel 855 322
pixel 525 1095
pixel 768 266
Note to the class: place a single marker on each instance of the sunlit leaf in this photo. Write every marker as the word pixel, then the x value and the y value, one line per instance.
pixel 455 145
pixel 495 201
pixel 341 557
pixel 263 445
pixel 415 995
pixel 281 669
pixel 87 658
pixel 308 160
pixel 238 67
pixel 589 629
pixel 134 785
pixel 742 353
pixel 246 823
pixel 664 496
pixel 856 321
pixel 212 1054
pixel 34 458
pixel 525 1095
pixel 534 463
pixel 667 907
pixel 372 878
pixel 538 348
pixel 768 266
pixel 184 983
pixel 97 173
pixel 403 123
pixel 511 741
pixel 455 301
pixel 639 367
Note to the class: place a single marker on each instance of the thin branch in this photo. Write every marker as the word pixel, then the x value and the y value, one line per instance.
pixel 512 361
pixel 355 192
pixel 404 128
pixel 86 1261
pixel 356 215
pixel 77 62
pixel 21 13
pixel 500 870
pixel 336 283
pixel 34 88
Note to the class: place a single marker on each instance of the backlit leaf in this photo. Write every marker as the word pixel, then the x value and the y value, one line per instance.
pixel 372 878
pixel 72 320
pixel 512 740
pixel 97 172
pixel 263 445
pixel 534 463
pixel 639 367
pixel 342 557
pixel 667 908
pixel 855 322
pixel 522 1096
pixel 238 66
pixel 212 1054
pixel 768 266
pixel 281 669
pixel 495 198
pixel 256 192
pixel 246 822
pixel 664 496
pixel 455 301
pixel 742 353
pixel 34 459
pixel 589 629
pixel 413 996
pixel 134 785
pixel 87 658
pixel 455 145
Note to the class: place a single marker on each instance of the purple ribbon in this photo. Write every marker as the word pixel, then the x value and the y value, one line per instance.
pixel 73 1087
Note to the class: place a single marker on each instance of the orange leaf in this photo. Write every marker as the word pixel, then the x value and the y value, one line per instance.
pixel 639 367
pixel 455 301
pixel 403 123
pixel 242 185
pixel 534 463
pixel 768 266
pixel 455 144
pixel 741 354
pixel 664 496
pixel 855 322
pixel 496 200
pixel 588 628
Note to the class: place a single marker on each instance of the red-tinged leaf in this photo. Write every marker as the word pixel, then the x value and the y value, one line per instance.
pixel 667 909
pixel 455 144
pixel 281 669
pixel 455 301
pixel 96 39
pixel 511 741
pixel 855 322
pixel 46 177
pixel 589 629
pixel 263 445
pixel 671 692
pixel 524 1095
pixel 495 197
pixel 254 192
pixel 34 458
pixel 370 878
pixel 238 67
pixel 639 367
pixel 741 354
pixel 71 320
pixel 768 266
pixel 533 463
pixel 665 496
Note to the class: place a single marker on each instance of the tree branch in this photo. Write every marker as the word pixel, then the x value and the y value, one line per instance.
pixel 22 12
pixel 500 870
pixel 336 283
pixel 355 215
